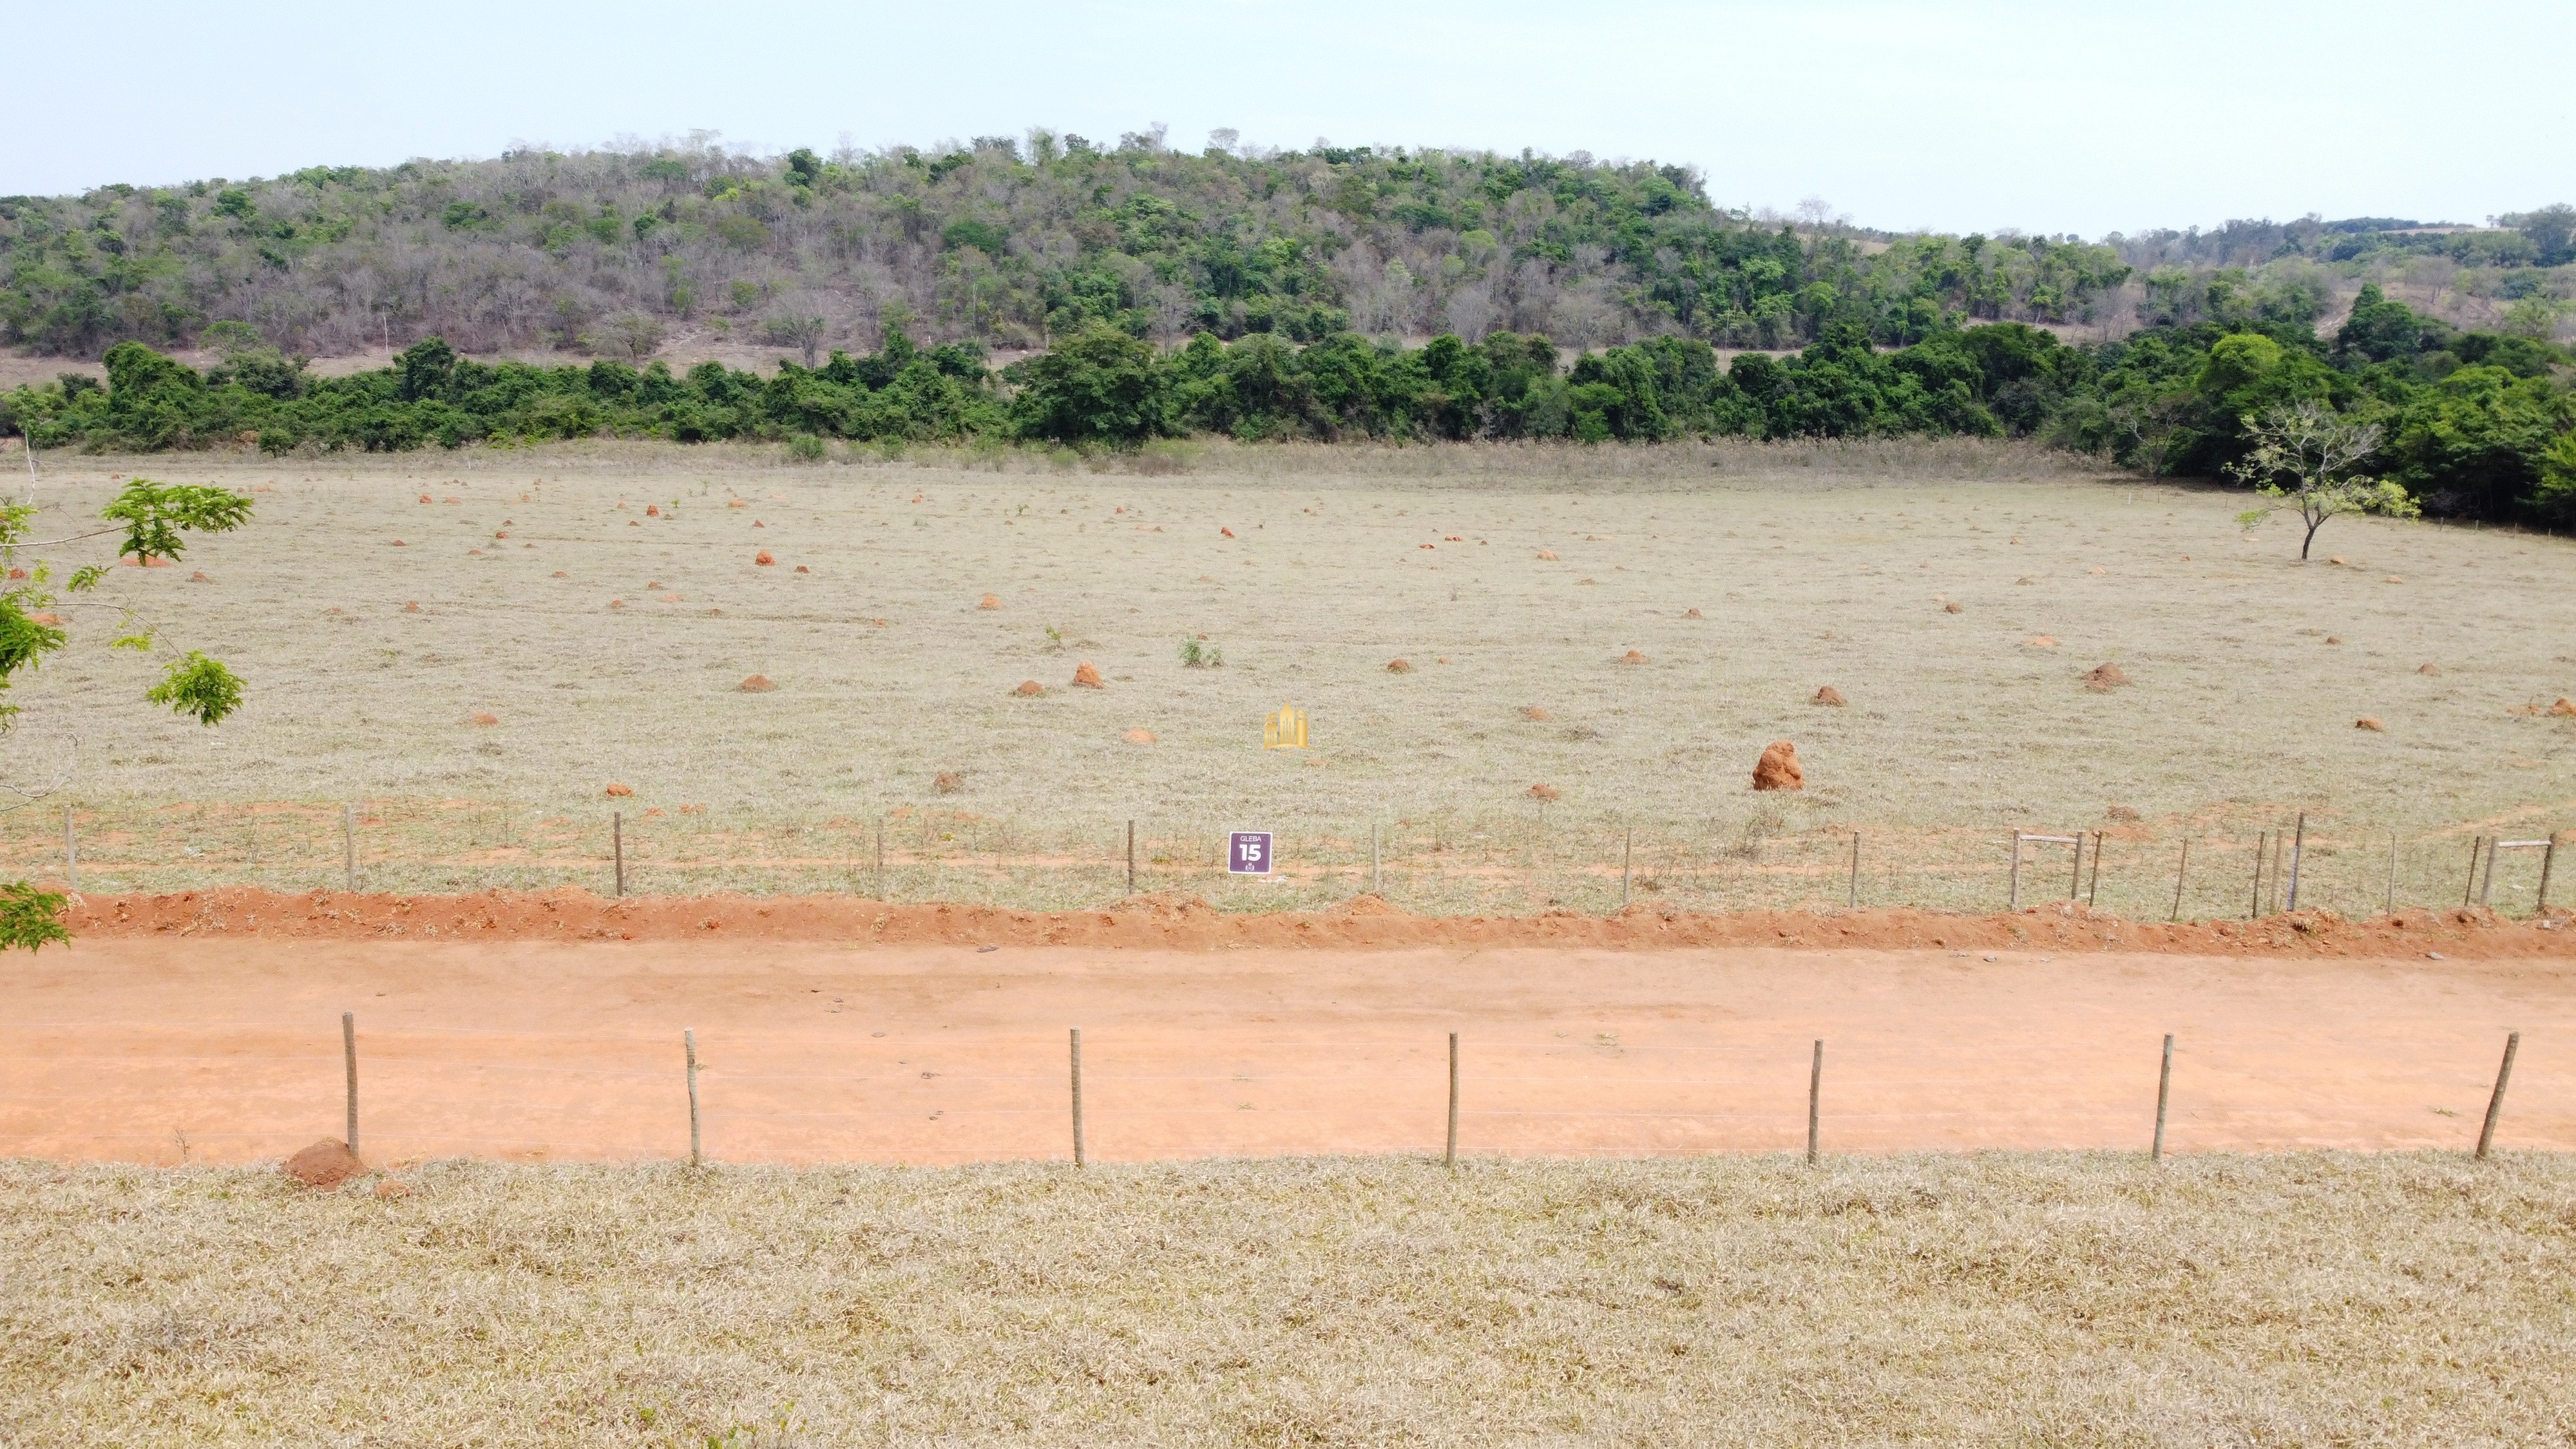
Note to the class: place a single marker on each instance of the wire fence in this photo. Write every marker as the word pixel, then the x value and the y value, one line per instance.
pixel 765 1095
pixel 2227 863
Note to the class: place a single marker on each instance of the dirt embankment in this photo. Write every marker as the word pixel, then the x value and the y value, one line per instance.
pixel 1190 923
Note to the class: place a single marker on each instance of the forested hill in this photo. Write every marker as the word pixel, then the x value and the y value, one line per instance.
pixel 1003 243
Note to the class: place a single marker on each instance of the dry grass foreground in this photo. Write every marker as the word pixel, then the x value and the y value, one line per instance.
pixel 1992 1299
pixel 1191 923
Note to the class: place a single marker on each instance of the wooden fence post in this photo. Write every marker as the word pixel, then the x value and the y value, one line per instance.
pixel 349 1055
pixel 2389 906
pixel 2548 854
pixel 1815 1092
pixel 1449 1155
pixel 2012 898
pixel 2164 1094
pixel 1131 857
pixel 617 845
pixel 1078 1158
pixel 2298 847
pixel 2093 887
pixel 1852 900
pixel 2180 871
pixel 2469 892
pixel 2254 908
pixel 1627 854
pixel 2495 1102
pixel 689 1044
pixel 2075 883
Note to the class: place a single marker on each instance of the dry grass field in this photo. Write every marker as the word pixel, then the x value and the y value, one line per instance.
pixel 2057 1299
pixel 603 605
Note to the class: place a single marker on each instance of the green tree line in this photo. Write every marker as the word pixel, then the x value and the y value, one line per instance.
pixel 2476 424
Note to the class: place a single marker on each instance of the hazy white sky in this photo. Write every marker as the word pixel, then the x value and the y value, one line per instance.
pixel 1969 114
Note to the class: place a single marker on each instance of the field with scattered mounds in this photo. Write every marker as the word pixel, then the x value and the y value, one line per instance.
pixel 471 649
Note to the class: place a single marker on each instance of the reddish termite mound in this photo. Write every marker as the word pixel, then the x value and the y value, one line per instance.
pixel 487 719
pixel 1138 737
pixel 1542 792
pixel 327 1163
pixel 621 790
pixel 763 559
pixel 1533 712
pixel 989 602
pixel 1778 768
pixel 756 684
pixel 1030 687
pixel 1830 696
pixel 1632 657
pixel 949 782
pixel 2370 723
pixel 1085 676
pixel 2103 678
pixel 1399 666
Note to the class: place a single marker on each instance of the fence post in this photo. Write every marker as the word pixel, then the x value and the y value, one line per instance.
pixel 2180 871
pixel 881 890
pixel 2164 1094
pixel 349 1054
pixel 2298 847
pixel 617 845
pixel 349 843
pixel 2012 898
pixel 2254 907
pixel 1852 901
pixel 2495 1102
pixel 1815 1091
pixel 2548 853
pixel 1627 854
pixel 2093 887
pixel 2469 892
pixel 1131 857
pixel 1449 1155
pixel 2075 883
pixel 2486 882
pixel 1078 1158
pixel 2389 907
pixel 689 1044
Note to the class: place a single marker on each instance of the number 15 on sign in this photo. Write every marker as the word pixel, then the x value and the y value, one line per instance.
pixel 1248 853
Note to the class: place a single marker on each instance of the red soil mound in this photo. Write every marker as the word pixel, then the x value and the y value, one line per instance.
pixel 1138 737
pixel 1533 712
pixel 763 559
pixel 949 782
pixel 1085 676
pixel 2105 677
pixel 756 684
pixel 1547 554
pixel 1778 768
pixel 1399 666
pixel 989 602
pixel 327 1163
pixel 2368 722
pixel 1632 657
pixel 1831 696
pixel 621 790
pixel 1030 687
pixel 1542 792
pixel 487 719
pixel 1951 608
pixel 2563 706
pixel 1187 922
pixel 2428 668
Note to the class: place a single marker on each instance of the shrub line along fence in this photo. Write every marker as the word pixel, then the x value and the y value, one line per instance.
pixel 1438 865
pixel 1449 1151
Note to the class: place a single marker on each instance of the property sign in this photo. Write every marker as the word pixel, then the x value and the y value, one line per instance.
pixel 1247 852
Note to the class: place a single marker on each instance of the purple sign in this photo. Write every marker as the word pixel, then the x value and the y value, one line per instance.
pixel 1247 852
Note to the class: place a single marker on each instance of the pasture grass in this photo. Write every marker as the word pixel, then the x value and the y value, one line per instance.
pixel 1808 564
pixel 2067 1299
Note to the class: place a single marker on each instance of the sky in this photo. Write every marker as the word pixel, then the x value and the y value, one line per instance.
pixel 1969 115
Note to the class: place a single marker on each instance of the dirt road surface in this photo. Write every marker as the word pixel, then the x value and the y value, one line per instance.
pixel 158 1050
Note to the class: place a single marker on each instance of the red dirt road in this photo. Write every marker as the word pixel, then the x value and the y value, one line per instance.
pixel 226 1047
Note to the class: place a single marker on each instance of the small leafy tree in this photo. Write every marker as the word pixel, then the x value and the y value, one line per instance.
pixel 154 520
pixel 2305 455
